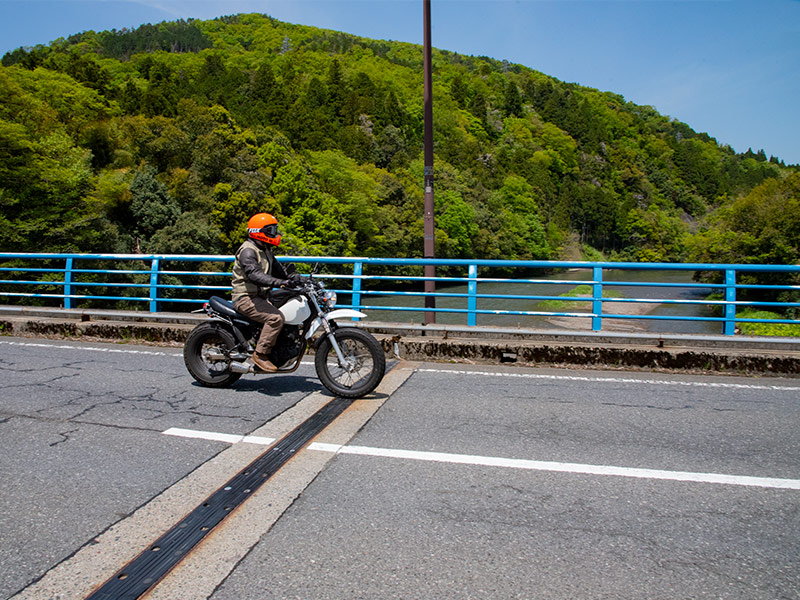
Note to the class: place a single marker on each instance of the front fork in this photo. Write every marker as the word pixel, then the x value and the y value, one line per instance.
pixel 343 362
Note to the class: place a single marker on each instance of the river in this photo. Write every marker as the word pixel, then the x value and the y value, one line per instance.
pixel 571 278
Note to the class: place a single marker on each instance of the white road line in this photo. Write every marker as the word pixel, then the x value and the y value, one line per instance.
pixel 559 467
pixel 113 350
pixel 257 439
pixel 91 349
pixel 228 438
pixel 740 386
pixel 711 384
pixel 510 463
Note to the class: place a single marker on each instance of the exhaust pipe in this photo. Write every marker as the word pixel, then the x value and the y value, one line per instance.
pixel 241 367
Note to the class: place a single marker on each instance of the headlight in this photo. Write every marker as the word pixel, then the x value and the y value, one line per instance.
pixel 329 298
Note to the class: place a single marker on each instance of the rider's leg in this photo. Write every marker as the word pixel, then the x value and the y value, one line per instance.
pixel 261 310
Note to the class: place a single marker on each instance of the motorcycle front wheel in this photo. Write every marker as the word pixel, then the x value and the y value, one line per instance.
pixel 363 368
pixel 204 354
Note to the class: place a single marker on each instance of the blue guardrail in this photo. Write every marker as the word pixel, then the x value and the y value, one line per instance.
pixel 394 286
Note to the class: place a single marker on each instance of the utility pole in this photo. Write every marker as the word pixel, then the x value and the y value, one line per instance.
pixel 429 249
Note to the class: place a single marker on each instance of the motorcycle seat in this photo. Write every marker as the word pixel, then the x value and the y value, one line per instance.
pixel 225 307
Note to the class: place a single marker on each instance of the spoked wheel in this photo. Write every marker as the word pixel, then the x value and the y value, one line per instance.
pixel 363 367
pixel 205 354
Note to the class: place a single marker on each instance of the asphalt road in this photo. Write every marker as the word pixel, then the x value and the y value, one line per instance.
pixel 468 482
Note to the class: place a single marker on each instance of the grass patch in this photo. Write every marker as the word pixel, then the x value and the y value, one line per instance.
pixel 582 291
pixel 776 329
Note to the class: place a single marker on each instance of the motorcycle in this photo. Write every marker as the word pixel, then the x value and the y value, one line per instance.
pixel 349 361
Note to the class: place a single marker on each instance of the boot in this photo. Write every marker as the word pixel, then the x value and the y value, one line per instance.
pixel 263 363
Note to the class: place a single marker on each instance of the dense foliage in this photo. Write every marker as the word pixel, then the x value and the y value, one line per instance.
pixel 168 137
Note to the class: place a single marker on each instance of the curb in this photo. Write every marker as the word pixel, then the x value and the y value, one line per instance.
pixel 703 354
pixel 602 356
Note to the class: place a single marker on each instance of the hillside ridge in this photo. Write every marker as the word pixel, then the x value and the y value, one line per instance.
pixel 167 137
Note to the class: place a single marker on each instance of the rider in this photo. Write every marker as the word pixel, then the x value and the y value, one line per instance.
pixel 255 273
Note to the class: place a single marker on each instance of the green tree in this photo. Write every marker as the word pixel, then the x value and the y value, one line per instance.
pixel 655 233
pixel 761 227
pixel 42 193
pixel 231 212
pixel 190 233
pixel 151 206
pixel 512 100
pixel 318 227
pixel 518 225
pixel 163 91
pixel 459 91
pixel 456 227
pixel 224 152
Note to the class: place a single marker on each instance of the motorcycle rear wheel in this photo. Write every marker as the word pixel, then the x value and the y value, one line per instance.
pixel 364 368
pixel 204 341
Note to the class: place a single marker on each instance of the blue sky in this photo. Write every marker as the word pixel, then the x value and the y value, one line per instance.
pixel 730 68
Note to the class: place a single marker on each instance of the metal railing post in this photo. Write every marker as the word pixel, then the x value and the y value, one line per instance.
pixel 154 285
pixel 68 283
pixel 729 327
pixel 472 300
pixel 597 298
pixel 358 269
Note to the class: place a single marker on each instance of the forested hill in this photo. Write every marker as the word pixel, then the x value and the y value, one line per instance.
pixel 168 137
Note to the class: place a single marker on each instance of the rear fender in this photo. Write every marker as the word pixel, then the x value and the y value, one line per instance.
pixel 233 328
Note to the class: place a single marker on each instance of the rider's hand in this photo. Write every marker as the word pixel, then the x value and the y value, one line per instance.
pixel 293 283
pixel 296 280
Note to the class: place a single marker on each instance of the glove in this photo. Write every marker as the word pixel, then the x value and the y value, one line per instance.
pixel 294 282
pixel 298 281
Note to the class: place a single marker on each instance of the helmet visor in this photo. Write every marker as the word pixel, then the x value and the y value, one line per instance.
pixel 270 230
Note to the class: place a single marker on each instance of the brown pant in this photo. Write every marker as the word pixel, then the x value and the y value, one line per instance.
pixel 261 310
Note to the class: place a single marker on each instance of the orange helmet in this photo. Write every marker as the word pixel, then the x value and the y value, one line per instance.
pixel 264 228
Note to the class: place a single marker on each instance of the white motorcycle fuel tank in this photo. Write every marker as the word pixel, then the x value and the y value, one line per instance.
pixel 296 310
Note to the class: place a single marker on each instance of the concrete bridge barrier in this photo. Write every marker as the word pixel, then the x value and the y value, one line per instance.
pixel 475 345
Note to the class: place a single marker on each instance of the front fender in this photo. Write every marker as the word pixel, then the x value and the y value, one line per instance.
pixel 344 313
pixel 339 313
